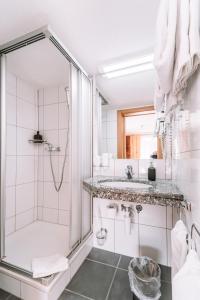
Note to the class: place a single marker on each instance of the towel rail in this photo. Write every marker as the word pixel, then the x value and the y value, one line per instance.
pixel 196 229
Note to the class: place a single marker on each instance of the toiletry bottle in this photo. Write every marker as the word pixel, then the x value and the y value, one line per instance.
pixel 151 172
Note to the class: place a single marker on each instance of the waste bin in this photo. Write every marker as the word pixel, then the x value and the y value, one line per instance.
pixel 144 276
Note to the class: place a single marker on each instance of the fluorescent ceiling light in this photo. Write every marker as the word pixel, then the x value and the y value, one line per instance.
pixel 127 63
pixel 129 70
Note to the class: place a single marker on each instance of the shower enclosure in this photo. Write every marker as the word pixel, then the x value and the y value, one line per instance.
pixel 46 150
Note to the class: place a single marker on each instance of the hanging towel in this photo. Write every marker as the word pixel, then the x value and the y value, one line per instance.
pixel 187 45
pixel 179 246
pixel 164 54
pixel 186 283
pixel 45 266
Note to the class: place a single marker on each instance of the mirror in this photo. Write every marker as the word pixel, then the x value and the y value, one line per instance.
pixel 124 117
pixel 129 133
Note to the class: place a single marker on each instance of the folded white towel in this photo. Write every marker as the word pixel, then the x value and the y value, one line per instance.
pixel 187 44
pixel 164 55
pixel 186 283
pixel 45 266
pixel 179 246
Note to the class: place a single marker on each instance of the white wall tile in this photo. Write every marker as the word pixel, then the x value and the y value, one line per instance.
pixel 11 109
pixel 64 217
pixel 24 219
pixel 11 83
pixel 24 147
pixel 11 134
pixel 62 94
pixel 153 243
pixel 47 168
pixel 63 115
pixel 64 197
pixel 109 225
pixel 40 213
pixel 168 247
pixel 25 169
pixel 9 225
pixel 24 197
pixel 112 130
pixel 153 215
pixel 66 177
pixel 40 194
pixel 63 140
pixel 50 196
pixel 101 210
pixel 25 91
pixel 112 115
pixel 169 217
pixel 10 202
pixel 10 170
pixel 26 114
pixel 51 95
pixel 52 137
pixel 126 242
pixel 50 215
pixel 121 164
pixel 51 116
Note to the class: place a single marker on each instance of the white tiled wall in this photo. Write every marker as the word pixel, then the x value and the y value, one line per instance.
pixel 30 193
pixel 155 223
pixel 117 167
pixel 109 132
pixel 186 149
pixel 21 157
pixel 52 206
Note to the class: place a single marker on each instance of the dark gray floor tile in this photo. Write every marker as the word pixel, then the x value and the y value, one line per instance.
pixel 70 296
pixel 166 291
pixel 92 280
pixel 124 262
pixel 121 288
pixel 104 256
pixel 165 273
pixel 3 295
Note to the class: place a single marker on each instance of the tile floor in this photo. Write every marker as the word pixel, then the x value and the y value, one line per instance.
pixel 104 276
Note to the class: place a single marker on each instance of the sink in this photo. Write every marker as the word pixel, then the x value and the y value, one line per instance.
pixel 125 184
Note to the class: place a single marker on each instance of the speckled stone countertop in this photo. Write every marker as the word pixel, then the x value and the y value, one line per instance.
pixel 161 192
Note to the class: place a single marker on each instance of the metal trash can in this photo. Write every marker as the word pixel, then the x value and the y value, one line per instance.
pixel 144 276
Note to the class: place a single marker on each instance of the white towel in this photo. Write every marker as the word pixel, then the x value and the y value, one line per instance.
pixel 186 283
pixel 187 44
pixel 45 266
pixel 179 246
pixel 164 55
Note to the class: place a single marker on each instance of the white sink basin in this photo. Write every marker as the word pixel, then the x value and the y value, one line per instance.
pixel 125 184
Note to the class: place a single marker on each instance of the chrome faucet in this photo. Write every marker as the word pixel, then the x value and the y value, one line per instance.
pixel 129 172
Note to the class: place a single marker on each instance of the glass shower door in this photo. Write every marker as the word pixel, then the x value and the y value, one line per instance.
pixel 81 147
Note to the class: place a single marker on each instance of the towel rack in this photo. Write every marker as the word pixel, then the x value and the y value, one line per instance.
pixel 196 229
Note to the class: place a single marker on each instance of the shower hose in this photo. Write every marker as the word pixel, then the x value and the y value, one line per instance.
pixel 59 184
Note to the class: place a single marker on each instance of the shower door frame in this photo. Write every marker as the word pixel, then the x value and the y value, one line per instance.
pixel 20 42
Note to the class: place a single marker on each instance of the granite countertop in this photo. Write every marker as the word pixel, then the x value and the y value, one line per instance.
pixel 161 192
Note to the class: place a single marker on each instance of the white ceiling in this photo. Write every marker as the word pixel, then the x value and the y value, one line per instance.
pixel 40 63
pixel 95 31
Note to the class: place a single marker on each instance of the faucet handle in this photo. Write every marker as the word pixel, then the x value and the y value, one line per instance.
pixel 129 170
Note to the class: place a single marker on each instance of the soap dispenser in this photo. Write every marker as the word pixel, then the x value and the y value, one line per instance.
pixel 151 172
